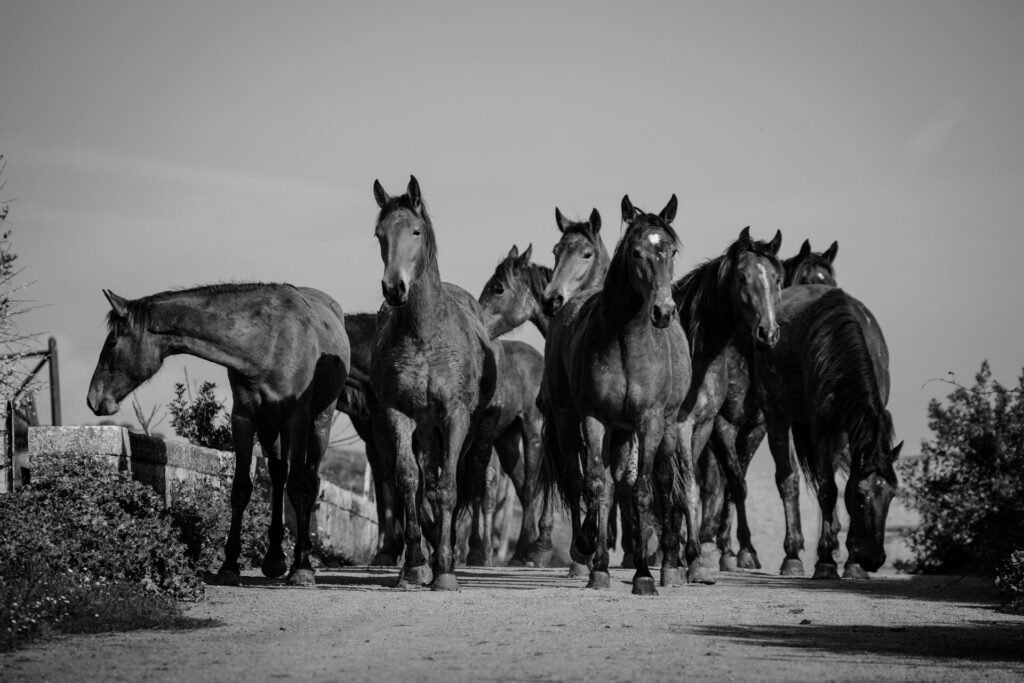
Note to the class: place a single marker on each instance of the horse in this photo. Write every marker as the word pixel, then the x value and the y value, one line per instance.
pixel 287 356
pixel 726 306
pixel 434 371
pixel 581 261
pixel 739 427
pixel 622 370
pixel 827 383
pixel 514 294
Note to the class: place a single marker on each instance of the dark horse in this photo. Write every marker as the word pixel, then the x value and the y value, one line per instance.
pixel 727 307
pixel 619 367
pixel 739 427
pixel 827 383
pixel 287 357
pixel 434 371
pixel 514 294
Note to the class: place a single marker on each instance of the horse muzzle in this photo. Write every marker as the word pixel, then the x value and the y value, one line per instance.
pixel 766 336
pixel 102 405
pixel 396 294
pixel 661 314
pixel 553 303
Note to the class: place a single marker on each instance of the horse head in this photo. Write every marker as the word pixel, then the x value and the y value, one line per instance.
pixel 581 260
pixel 130 356
pixel 811 268
pixel 647 253
pixel 406 237
pixel 757 285
pixel 868 494
pixel 507 301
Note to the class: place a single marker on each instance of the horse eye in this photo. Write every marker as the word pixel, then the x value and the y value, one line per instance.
pixel 588 254
pixel 416 232
pixel 499 289
pixel 636 253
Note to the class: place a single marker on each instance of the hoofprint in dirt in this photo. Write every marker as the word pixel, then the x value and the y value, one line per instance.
pixel 537 625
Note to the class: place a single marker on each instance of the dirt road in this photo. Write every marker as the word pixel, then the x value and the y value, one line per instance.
pixel 536 625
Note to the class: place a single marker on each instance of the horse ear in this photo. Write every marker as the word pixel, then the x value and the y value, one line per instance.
pixel 668 214
pixel 831 252
pixel 776 242
pixel 805 249
pixel 560 220
pixel 627 209
pixel 414 193
pixel 525 258
pixel 118 304
pixel 896 451
pixel 595 221
pixel 513 252
pixel 379 194
pixel 744 235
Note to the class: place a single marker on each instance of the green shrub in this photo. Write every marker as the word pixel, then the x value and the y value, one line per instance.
pixel 84 535
pixel 202 419
pixel 969 483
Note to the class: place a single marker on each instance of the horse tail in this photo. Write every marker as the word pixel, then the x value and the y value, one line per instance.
pixel 843 388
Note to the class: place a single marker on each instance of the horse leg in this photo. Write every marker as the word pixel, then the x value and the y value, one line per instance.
pixel 788 483
pixel 538 550
pixel 304 487
pixel 828 541
pixel 513 447
pixel 712 498
pixel 453 441
pixel 650 438
pixel 665 470
pixel 691 501
pixel 597 481
pixel 735 479
pixel 399 430
pixel 748 440
pixel 381 459
pixel 274 562
pixel 243 434
pixel 481 548
pixel 580 551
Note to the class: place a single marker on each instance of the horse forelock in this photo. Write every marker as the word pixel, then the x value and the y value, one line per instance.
pixel 404 202
pixel 534 276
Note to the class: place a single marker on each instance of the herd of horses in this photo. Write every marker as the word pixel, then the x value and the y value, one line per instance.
pixel 641 416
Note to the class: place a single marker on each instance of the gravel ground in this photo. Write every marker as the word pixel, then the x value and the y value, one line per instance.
pixel 537 625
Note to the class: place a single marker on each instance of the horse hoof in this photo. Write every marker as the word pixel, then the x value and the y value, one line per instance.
pixel 414 578
pixel 302 577
pixel 227 577
pixel 707 555
pixel 792 566
pixel 383 559
pixel 644 585
pixel 578 556
pixel 517 562
pixel 671 576
pixel 599 580
pixel 540 557
pixel 747 559
pixel 445 582
pixel 727 563
pixel 854 571
pixel 476 558
pixel 627 561
pixel 274 565
pixel 698 573
pixel 825 571
pixel 578 570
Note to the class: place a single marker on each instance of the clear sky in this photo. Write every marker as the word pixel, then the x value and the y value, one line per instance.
pixel 159 145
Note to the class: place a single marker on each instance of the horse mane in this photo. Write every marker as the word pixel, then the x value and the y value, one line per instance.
pixel 535 276
pixel 844 388
pixel 403 201
pixel 138 312
pixel 702 296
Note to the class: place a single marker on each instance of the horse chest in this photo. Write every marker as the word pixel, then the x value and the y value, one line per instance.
pixel 419 378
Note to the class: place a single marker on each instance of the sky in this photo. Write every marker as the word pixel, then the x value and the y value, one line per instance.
pixel 152 146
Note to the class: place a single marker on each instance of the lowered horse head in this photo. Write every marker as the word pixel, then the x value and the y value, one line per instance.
pixel 644 261
pixel 513 294
pixel 811 268
pixel 581 260
pixel 130 355
pixel 407 244
pixel 869 491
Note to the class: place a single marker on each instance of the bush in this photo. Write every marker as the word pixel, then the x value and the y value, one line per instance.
pixel 201 420
pixel 969 483
pixel 1010 580
pixel 82 537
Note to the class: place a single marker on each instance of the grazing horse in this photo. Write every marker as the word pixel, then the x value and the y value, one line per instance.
pixel 624 371
pixel 287 357
pixel 739 427
pixel 727 307
pixel 827 383
pixel 434 371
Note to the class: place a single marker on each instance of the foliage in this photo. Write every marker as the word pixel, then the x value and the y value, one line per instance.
pixel 202 419
pixel 203 513
pixel 969 483
pixel 1010 580
pixel 86 548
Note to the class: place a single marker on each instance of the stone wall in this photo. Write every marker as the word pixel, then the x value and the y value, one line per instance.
pixel 343 521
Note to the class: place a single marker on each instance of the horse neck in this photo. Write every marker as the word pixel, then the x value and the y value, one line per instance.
pixel 194 324
pixel 423 313
pixel 537 279
pixel 620 303
pixel 540 320
pixel 709 325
